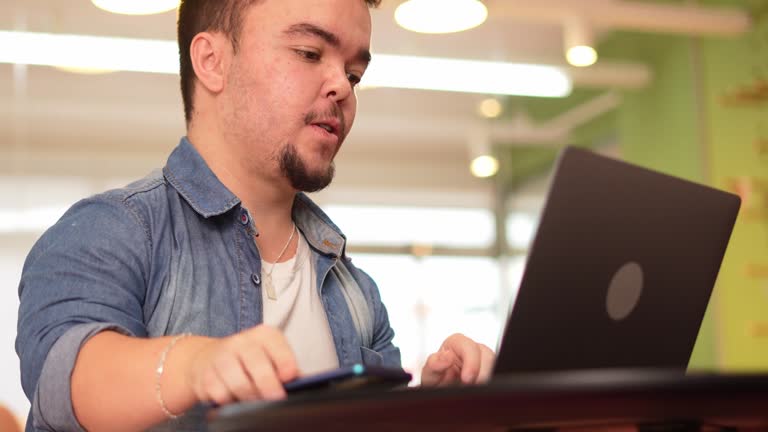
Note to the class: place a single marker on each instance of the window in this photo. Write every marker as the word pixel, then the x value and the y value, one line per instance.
pixel 430 297
pixel 390 226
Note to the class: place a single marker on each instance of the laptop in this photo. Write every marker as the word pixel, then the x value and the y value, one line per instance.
pixel 620 272
pixel 618 277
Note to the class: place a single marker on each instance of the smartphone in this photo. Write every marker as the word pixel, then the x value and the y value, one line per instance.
pixel 350 377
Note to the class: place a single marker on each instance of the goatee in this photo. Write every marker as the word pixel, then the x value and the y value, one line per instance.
pixel 296 171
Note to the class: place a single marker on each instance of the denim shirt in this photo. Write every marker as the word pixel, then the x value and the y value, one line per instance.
pixel 169 254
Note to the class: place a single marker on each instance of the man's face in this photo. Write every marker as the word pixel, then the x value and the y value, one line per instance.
pixel 289 96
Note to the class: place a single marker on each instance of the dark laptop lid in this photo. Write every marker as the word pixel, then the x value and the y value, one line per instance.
pixel 620 272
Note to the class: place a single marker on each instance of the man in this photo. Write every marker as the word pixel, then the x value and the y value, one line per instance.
pixel 221 249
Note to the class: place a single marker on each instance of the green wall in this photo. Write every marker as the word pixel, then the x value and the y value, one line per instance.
pixel 680 126
pixel 658 127
pixel 742 301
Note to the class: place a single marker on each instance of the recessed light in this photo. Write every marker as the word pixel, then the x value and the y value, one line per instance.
pixel 440 16
pixel 136 7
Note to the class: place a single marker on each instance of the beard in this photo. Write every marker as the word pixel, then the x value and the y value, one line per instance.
pixel 296 171
pixel 294 168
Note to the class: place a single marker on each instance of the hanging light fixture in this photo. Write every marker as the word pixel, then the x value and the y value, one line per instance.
pixel 579 40
pixel 484 166
pixel 490 108
pixel 483 163
pixel 440 16
pixel 136 7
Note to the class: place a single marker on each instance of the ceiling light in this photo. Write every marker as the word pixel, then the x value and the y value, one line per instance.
pixel 84 71
pixel 136 7
pixel 162 56
pixel 581 56
pixel 89 52
pixel 490 108
pixel 468 76
pixel 579 42
pixel 440 16
pixel 484 166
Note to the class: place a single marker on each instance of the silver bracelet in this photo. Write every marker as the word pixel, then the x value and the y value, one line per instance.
pixel 159 375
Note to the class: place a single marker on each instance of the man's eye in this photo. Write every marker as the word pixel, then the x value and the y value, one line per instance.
pixel 354 79
pixel 308 55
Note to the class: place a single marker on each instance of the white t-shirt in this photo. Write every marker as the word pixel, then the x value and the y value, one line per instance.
pixel 298 310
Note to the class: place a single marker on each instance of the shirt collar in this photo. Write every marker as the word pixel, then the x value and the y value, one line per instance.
pixel 317 227
pixel 188 173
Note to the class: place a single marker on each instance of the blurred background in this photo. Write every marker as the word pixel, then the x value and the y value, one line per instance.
pixel 444 175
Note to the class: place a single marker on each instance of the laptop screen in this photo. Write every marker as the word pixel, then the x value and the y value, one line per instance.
pixel 620 271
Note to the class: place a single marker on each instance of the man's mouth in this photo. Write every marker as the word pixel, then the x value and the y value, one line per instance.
pixel 328 123
pixel 326 127
pixel 330 126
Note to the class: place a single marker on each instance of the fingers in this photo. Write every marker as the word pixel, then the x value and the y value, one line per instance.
pixel 252 364
pixel 261 375
pixel 487 360
pixel 469 352
pixel 440 368
pixel 233 381
pixel 459 359
pixel 211 388
pixel 281 355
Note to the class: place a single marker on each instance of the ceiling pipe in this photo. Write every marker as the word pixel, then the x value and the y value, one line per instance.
pixel 683 19
pixel 518 130
pixel 557 130
pixel 584 113
pixel 610 74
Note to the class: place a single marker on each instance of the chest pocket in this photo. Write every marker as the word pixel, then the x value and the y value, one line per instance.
pixel 358 306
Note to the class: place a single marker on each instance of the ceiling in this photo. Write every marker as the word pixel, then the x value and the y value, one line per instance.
pixel 408 145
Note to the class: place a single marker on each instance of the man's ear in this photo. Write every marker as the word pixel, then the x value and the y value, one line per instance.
pixel 209 55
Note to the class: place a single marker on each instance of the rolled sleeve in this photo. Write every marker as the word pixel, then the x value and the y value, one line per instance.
pixel 85 275
pixel 52 405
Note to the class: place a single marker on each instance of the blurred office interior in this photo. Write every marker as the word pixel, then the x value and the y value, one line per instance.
pixel 680 86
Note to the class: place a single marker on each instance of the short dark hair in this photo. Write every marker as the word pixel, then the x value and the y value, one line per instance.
pixel 195 16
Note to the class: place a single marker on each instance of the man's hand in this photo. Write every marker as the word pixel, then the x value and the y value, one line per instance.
pixel 252 364
pixel 459 359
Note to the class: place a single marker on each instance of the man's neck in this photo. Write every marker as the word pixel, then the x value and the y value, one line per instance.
pixel 269 199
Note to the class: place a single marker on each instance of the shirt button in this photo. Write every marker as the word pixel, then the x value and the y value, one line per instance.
pixel 255 278
pixel 244 218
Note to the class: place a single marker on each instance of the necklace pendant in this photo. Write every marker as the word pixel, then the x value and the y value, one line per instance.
pixel 270 287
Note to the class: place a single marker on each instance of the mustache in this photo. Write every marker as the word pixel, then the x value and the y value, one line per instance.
pixel 333 112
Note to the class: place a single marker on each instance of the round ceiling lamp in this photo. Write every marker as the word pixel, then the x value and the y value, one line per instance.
pixel 581 56
pixel 484 166
pixel 483 163
pixel 490 108
pixel 136 7
pixel 440 16
pixel 579 43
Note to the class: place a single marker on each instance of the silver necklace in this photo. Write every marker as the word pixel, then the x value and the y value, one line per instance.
pixel 270 287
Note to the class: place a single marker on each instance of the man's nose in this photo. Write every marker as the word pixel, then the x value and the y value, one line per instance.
pixel 337 87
